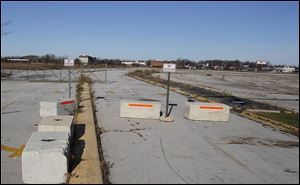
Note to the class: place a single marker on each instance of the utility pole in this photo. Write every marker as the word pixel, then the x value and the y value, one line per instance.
pixel 69 83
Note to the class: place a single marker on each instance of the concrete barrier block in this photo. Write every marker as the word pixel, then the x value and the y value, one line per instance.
pixel 56 124
pixel 45 158
pixel 48 109
pixel 140 109
pixel 62 107
pixel 206 111
pixel 67 107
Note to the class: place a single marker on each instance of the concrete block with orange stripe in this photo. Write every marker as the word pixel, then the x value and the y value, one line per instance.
pixel 61 107
pixel 140 109
pixel 206 111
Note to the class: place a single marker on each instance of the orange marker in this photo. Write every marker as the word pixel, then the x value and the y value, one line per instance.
pixel 139 105
pixel 212 107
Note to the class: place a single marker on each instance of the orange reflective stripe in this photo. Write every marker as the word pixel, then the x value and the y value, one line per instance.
pixel 211 107
pixel 139 105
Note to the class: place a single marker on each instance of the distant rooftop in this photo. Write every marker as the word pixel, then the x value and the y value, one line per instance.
pixel 18 59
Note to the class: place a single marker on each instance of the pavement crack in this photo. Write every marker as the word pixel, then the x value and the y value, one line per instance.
pixel 168 163
pixel 10 112
pixel 135 131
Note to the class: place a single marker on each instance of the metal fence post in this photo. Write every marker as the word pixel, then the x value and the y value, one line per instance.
pixel 60 74
pixel 106 72
pixel 167 103
pixel 69 83
pixel 44 75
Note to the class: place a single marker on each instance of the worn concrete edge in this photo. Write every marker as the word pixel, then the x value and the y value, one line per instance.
pixel 88 170
pixel 105 165
pixel 260 119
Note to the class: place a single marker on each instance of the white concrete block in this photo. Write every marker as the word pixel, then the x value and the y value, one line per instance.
pixel 140 109
pixel 45 158
pixel 206 111
pixel 62 107
pixel 56 124
pixel 48 109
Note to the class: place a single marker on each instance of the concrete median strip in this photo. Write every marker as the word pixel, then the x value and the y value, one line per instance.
pixel 140 109
pixel 45 158
pixel 206 111
pixel 88 170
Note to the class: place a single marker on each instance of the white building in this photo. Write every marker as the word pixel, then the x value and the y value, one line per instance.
pixel 261 62
pixel 134 62
pixel 127 62
pixel 18 60
pixel 84 59
pixel 287 69
pixel 140 63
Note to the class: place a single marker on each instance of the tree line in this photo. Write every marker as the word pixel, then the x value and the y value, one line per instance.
pixel 181 62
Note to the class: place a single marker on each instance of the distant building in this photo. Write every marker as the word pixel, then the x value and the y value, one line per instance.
pixel 287 69
pixel 261 62
pixel 134 63
pixel 155 63
pixel 142 63
pixel 18 60
pixel 127 62
pixel 85 59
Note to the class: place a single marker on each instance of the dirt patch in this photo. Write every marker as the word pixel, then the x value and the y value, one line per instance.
pixel 162 94
pixel 262 142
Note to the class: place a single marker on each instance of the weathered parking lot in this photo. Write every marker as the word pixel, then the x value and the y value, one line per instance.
pixel 279 89
pixel 150 151
pixel 184 151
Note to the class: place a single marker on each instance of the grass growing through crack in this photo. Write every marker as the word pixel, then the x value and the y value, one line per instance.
pixel 287 118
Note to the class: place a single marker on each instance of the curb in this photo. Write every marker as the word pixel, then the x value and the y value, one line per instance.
pixel 88 169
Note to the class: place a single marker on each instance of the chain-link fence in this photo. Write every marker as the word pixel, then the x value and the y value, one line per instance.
pixel 60 75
